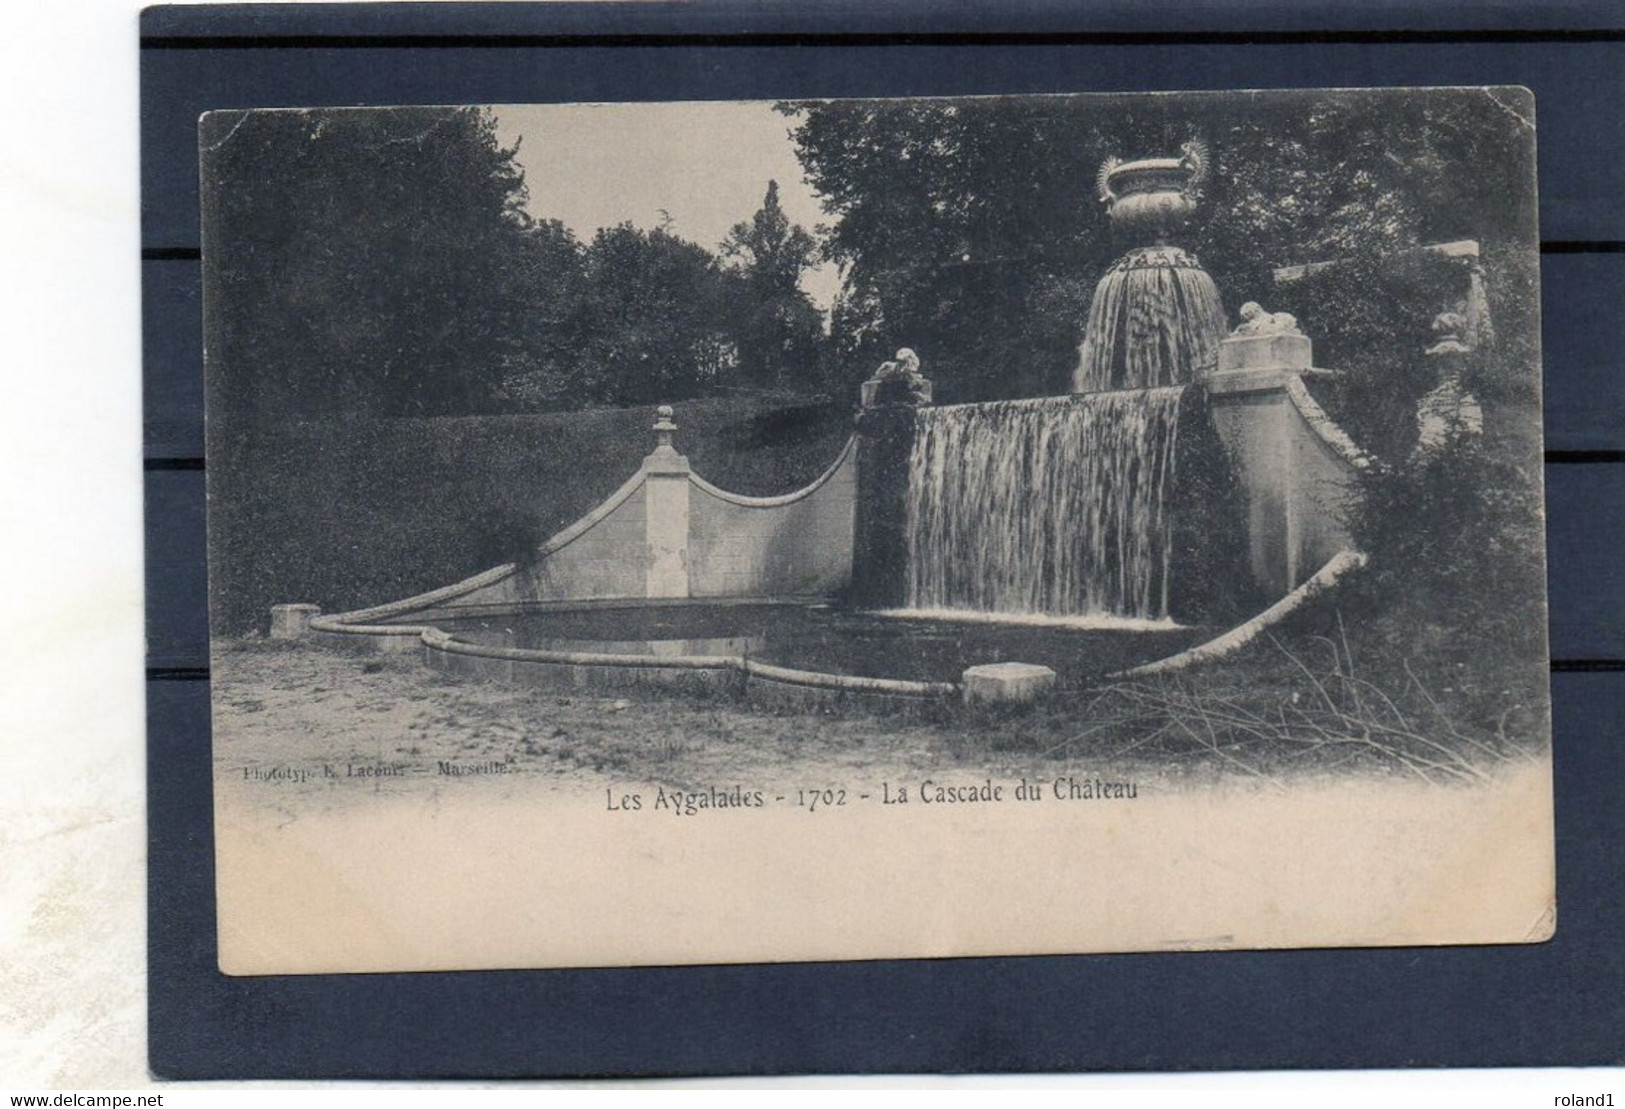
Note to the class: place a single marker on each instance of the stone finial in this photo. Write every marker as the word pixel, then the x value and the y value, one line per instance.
pixel 664 459
pixel 664 426
pixel 1256 321
pixel 898 379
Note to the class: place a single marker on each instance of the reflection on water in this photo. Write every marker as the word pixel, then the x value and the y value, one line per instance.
pixel 826 639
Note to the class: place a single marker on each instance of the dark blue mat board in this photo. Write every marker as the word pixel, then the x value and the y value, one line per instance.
pixel 172 357
pixel 1582 337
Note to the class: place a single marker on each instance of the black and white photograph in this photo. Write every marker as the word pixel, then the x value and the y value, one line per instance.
pixel 771 531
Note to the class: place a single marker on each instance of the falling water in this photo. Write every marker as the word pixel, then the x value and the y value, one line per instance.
pixel 1156 319
pixel 1055 506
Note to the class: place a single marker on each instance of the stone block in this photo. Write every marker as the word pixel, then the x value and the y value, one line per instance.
pixel 1006 683
pixel 292 621
pixel 1265 352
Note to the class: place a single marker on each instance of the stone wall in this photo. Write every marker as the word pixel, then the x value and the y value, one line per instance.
pixel 773 547
pixel 607 558
pixel 667 533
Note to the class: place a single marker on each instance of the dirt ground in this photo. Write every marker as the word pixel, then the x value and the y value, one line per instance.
pixel 305 721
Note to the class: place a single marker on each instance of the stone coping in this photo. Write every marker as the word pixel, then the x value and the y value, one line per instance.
pixel 1291 383
pixel 1338 566
pixel 1261 379
pixel 436 639
pixel 780 501
pixel 1325 428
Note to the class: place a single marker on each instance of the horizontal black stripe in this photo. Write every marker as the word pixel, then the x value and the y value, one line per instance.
pixel 892 38
pixel 1550 246
pixel 1583 458
pixel 170 254
pixel 177 673
pixel 151 465
pixel 1582 246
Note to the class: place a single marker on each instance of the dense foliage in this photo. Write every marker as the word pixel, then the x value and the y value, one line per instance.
pixel 349 260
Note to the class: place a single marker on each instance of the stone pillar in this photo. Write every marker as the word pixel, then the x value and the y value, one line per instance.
pixel 885 426
pixel 665 501
pixel 1295 468
pixel 1252 413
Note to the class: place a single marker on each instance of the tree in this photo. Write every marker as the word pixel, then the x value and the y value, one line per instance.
pixel 654 325
pixel 779 330
pixel 360 262
pixel 543 363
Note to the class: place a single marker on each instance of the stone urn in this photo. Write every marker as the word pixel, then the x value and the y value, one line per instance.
pixel 1152 199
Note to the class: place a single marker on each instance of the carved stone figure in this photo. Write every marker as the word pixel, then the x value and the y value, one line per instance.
pixel 901 375
pixel 1448 331
pixel 1256 321
pixel 1450 411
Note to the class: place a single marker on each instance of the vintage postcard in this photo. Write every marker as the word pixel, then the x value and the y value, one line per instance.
pixel 673 533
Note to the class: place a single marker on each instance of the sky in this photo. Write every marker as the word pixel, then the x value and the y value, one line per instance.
pixel 705 165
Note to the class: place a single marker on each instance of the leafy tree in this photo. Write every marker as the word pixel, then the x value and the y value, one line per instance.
pixel 946 217
pixel 360 262
pixel 779 330
pixel 655 326
pixel 543 362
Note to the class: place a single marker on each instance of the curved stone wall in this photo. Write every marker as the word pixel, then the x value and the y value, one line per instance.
pixel 665 533
pixel 794 546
